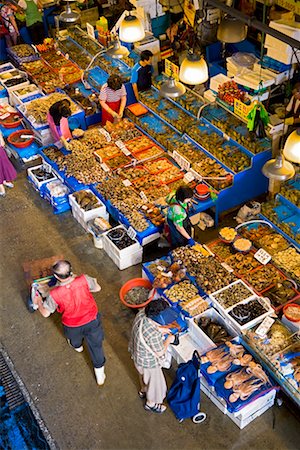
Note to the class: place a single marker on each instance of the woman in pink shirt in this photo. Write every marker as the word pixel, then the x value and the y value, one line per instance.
pixel 58 120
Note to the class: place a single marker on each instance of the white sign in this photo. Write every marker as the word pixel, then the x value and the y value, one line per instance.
pixel 120 144
pixel 181 161
pixel 264 327
pixel 131 232
pixel 143 196
pixel 225 136
pixel 127 183
pixel 105 167
pixel 188 177
pixel 196 175
pixel 4 116
pixel 90 30
pixel 227 267
pixel 105 133
pixel 262 256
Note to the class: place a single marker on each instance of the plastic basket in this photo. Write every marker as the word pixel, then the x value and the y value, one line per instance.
pixel 136 282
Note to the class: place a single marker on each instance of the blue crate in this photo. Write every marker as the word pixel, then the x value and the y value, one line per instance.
pixel 32 97
pixel 6 67
pixel 170 315
pixel 277 66
pixel 147 264
pixel 97 77
pixel 294 223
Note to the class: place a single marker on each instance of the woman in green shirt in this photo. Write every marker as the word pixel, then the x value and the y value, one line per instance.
pixel 34 19
pixel 177 217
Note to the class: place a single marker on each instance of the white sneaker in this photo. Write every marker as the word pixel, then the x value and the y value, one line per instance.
pixel 8 184
pixel 100 375
pixel 77 349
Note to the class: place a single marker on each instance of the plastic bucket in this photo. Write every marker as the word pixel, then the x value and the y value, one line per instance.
pixel 135 282
pixel 98 241
pixel 19 133
pixel 286 312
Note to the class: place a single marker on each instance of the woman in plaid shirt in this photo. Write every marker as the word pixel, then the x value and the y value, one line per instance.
pixel 148 347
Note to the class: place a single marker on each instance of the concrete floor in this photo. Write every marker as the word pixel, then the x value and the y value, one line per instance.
pixel 78 414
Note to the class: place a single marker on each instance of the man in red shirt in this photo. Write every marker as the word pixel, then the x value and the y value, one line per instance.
pixel 80 317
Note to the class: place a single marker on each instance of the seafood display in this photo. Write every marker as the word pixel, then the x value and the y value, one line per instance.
pixel 216 332
pixel 264 277
pixel 182 291
pixel 76 53
pixel 117 161
pixel 166 273
pixel 242 264
pixel 224 358
pixel 194 306
pixel 39 108
pixel 286 218
pixel 290 192
pixel 159 265
pixel 137 295
pixel 212 276
pixel 83 39
pixel 120 238
pixel 281 293
pixel 246 312
pixel 132 173
pixel 42 174
pixel 289 260
pixel 277 339
pixel 53 153
pixel 23 50
pixel 150 152
pixel 14 81
pixel 123 130
pixel 208 167
pixel 273 243
pixel 223 251
pixel 255 233
pixel 228 234
pixel 86 200
pixel 232 294
pixel 123 197
pixel 292 312
pixel 242 245
pixel 139 144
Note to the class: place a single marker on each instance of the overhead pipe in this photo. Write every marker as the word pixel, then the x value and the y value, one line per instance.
pixel 253 22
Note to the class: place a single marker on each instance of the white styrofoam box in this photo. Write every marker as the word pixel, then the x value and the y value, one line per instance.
pixel 254 80
pixel 197 333
pixel 127 261
pixel 150 238
pixel 288 27
pixel 6 67
pixel 126 257
pixel 82 221
pixel 184 351
pixel 262 96
pixel 280 51
pixel 214 295
pixel 100 211
pixel 257 320
pixel 34 180
pixel 17 86
pixel 109 246
pixel 217 80
pixel 16 97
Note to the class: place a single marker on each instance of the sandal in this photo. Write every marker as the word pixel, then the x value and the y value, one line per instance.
pixel 158 408
pixel 142 394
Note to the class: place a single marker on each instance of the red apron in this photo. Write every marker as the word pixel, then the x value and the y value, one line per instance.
pixel 106 117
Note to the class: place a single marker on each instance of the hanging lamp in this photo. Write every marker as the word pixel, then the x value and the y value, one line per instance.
pixel 193 69
pixel 69 16
pixel 291 149
pixel 118 51
pixel 231 30
pixel 131 29
pixel 172 88
pixel 278 169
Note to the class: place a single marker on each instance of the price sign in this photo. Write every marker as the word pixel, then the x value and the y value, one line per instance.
pixel 171 69
pixel 47 167
pixel 122 147
pixel 188 177
pixel 105 133
pixel 227 267
pixel 262 256
pixel 127 183
pixel 185 164
pixel 90 30
pixel 31 119
pixel 241 110
pixel 196 175
pixel 225 136
pixel 131 232
pixel 143 196
pixel 105 167
pixel 264 327
pixel 181 161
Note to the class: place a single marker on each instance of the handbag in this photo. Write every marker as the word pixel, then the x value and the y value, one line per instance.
pixel 165 361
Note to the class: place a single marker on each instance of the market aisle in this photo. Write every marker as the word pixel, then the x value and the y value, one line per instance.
pixel 77 412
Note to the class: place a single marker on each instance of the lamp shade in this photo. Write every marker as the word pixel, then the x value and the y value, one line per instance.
pixel 69 16
pixel 291 149
pixel 172 89
pixel 131 30
pixel 278 169
pixel 231 31
pixel 193 69
pixel 118 51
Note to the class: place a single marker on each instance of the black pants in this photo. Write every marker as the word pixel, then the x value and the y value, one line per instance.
pixel 92 332
pixel 36 32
